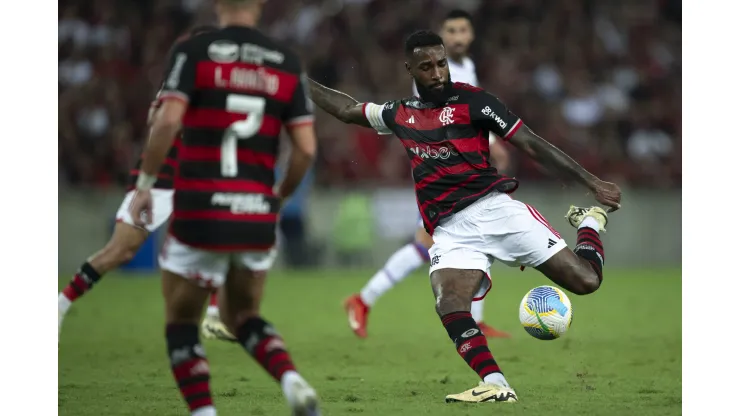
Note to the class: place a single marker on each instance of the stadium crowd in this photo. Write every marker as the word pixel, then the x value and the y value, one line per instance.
pixel 601 80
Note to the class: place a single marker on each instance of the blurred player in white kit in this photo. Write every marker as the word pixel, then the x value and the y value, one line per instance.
pixel 457 34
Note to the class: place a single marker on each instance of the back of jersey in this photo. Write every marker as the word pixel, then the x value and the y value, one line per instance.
pixel 241 88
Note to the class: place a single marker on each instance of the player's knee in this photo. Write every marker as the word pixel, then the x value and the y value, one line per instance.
pixel 449 303
pixel 122 254
pixel 587 281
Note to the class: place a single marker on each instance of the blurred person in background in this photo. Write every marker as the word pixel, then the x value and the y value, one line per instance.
pixel 127 236
pixel 458 34
pixel 293 224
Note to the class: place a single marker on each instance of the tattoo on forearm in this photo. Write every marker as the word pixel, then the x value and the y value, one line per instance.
pixel 333 102
pixel 552 157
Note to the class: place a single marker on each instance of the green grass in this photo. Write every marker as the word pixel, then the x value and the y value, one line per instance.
pixel 622 356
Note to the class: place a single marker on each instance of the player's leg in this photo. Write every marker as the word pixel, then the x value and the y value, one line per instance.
pixel 398 266
pixel 184 301
pixel 454 290
pixel 580 271
pixel 188 278
pixel 212 309
pixel 121 248
pixel 212 327
pixel 240 301
pixel 458 276
pixel 517 234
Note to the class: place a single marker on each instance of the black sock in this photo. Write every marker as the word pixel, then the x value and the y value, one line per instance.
pixel 262 341
pixel 470 343
pixel 189 365
pixel 589 247
pixel 82 282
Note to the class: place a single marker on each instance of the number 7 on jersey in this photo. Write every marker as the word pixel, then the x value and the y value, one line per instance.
pixel 254 109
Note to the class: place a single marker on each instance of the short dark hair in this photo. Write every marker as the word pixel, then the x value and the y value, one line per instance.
pixel 459 14
pixel 420 39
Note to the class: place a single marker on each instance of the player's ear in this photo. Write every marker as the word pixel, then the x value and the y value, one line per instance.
pixel 408 68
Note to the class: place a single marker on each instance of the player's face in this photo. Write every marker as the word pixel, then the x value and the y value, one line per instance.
pixel 428 67
pixel 457 35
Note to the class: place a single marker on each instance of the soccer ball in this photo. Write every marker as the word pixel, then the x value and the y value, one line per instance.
pixel 545 312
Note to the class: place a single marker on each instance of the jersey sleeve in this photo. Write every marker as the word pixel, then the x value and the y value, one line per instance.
pixel 379 116
pixel 490 113
pixel 179 78
pixel 300 109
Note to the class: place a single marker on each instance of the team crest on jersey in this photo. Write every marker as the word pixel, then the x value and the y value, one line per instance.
pixel 223 51
pixel 446 116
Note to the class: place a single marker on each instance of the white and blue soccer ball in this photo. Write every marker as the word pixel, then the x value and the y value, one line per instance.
pixel 545 312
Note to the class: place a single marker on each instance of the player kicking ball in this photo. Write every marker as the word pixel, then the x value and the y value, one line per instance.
pixel 457 35
pixel 465 202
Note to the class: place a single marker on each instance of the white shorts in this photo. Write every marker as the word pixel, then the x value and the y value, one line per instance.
pixel 495 227
pixel 209 268
pixel 161 208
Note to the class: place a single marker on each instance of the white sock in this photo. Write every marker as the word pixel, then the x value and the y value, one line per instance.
pixel 476 309
pixel 590 222
pixel 212 312
pixel 64 303
pixel 205 411
pixel 497 379
pixel 288 380
pixel 399 265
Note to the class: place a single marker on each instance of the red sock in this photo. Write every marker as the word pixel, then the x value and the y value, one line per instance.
pixel 261 340
pixel 82 282
pixel 214 299
pixel 470 343
pixel 189 365
pixel 590 247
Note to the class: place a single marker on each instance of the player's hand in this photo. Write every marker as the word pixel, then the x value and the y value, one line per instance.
pixel 141 208
pixel 608 194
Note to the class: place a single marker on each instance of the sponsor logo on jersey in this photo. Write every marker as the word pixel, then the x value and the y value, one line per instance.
pixel 223 51
pixel 429 153
pixel 242 203
pixel 488 112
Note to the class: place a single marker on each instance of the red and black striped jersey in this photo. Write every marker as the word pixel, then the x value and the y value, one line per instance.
pixel 448 147
pixel 167 173
pixel 241 87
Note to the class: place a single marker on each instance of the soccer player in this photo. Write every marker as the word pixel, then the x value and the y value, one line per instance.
pixel 457 35
pixel 465 202
pixel 232 91
pixel 127 237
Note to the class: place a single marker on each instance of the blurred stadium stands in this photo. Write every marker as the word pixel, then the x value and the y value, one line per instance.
pixel 600 79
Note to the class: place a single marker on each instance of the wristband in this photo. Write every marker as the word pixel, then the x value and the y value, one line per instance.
pixel 145 181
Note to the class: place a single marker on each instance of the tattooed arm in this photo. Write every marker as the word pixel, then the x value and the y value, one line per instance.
pixel 551 157
pixel 338 104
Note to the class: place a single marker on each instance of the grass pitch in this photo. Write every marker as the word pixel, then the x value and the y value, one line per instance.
pixel 622 356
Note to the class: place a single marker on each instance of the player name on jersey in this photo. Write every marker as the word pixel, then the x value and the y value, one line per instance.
pixel 448 147
pixel 241 88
